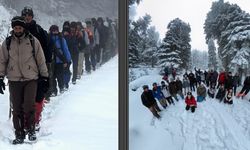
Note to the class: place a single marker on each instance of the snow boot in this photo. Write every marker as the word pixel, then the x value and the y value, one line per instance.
pixel 18 140
pixel 32 136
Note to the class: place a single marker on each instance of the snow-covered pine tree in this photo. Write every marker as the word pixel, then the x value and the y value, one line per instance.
pixel 134 38
pixel 149 54
pixel 212 61
pixel 230 26
pixel 175 49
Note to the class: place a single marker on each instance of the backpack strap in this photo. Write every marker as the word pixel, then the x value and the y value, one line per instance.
pixel 32 42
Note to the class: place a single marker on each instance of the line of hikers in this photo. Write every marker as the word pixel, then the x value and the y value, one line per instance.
pixel 226 85
pixel 36 63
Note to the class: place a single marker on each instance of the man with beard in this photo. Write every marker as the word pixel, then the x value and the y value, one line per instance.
pixel 22 61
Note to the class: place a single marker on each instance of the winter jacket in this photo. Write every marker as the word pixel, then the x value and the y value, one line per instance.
pixel 178 85
pixel 96 36
pixel 42 35
pixel 165 91
pixel 18 64
pixel 73 45
pixel 62 47
pixel 191 101
pixel 201 91
pixel 202 76
pixel 222 78
pixel 229 82
pixel 185 83
pixel 191 78
pixel 90 32
pixel 103 32
pixel 147 98
pixel 213 77
pixel 172 88
pixel 83 41
pixel 158 93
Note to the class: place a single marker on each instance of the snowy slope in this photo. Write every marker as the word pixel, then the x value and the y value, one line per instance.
pixel 84 118
pixel 214 125
pixel 48 12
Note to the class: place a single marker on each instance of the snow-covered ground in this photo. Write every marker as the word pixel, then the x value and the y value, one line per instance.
pixel 213 126
pixel 84 118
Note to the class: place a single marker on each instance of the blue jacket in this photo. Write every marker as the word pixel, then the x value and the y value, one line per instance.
pixel 158 93
pixel 64 49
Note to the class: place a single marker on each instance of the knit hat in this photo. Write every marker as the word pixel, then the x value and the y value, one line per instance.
pixel 145 87
pixel 18 21
pixel 54 28
pixel 27 10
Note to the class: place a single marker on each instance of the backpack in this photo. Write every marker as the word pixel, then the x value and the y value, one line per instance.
pixel 90 36
pixel 56 51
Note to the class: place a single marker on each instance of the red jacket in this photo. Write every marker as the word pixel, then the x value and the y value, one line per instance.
pixel 191 101
pixel 222 77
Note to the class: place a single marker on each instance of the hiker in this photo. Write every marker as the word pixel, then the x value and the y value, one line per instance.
pixel 201 92
pixel 22 71
pixel 148 101
pixel 159 95
pixel 191 102
pixel 62 58
pixel 229 97
pixel 221 93
pixel 166 93
pixel 211 91
pixel 42 35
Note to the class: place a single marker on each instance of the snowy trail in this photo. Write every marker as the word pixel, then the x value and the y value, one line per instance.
pixel 213 126
pixel 84 117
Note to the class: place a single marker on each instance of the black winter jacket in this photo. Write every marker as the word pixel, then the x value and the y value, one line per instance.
pixel 42 35
pixel 148 99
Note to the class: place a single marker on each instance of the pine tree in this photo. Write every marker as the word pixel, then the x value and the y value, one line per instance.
pixel 175 49
pixel 149 54
pixel 134 38
pixel 212 62
pixel 230 26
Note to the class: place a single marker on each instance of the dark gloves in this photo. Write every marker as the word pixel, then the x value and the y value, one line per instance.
pixel 2 85
pixel 43 83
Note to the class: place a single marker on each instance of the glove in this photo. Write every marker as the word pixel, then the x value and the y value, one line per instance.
pixel 43 83
pixel 2 85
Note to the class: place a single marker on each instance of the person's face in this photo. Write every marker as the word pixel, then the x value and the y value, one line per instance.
pixel 72 30
pixel 88 25
pixel 28 18
pixel 55 32
pixel 146 89
pixel 18 31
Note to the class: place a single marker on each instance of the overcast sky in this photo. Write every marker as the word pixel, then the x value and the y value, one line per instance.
pixel 190 11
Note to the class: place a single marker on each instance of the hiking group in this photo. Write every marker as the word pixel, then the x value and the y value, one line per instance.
pixel 36 63
pixel 203 82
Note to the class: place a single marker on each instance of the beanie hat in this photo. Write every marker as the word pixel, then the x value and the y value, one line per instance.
pixel 54 28
pixel 18 21
pixel 145 87
pixel 27 10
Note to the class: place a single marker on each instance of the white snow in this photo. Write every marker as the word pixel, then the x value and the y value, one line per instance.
pixel 213 126
pixel 85 117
